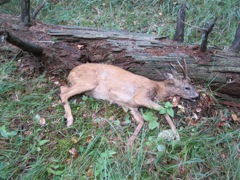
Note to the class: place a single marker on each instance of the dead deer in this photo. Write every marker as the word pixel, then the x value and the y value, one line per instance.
pixel 126 89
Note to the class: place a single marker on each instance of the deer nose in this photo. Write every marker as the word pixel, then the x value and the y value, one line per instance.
pixel 196 97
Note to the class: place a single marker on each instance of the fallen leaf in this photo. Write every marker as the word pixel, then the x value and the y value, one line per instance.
pixel 198 109
pixel 75 139
pixel 235 118
pixel 112 118
pixel 195 116
pixel 89 138
pixel 42 121
pixel 174 102
pixel 74 152
pixel 90 172
pixel 80 46
pixel 221 124
pixel 27 132
pixel 181 108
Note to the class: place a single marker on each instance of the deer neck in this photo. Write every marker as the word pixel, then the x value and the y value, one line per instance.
pixel 164 90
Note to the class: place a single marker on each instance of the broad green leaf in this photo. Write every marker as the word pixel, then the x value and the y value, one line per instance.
pixel 149 116
pixel 6 134
pixel 42 142
pixel 3 133
pixel 54 166
pixel 162 111
pixel 168 105
pixel 84 98
pixel 170 112
pixel 57 172
pixel 153 124
pixel 161 148
pixel 109 153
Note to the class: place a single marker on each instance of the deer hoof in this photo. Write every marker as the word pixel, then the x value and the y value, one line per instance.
pixel 69 121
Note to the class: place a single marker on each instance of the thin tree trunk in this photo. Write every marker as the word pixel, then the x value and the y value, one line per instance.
pixel 179 33
pixel 25 12
pixel 235 47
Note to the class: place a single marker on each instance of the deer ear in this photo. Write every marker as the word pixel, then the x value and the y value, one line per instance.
pixel 169 77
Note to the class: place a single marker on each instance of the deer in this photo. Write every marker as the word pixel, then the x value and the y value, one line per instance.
pixel 128 90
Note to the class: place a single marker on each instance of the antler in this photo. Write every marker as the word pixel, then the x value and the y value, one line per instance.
pixel 184 69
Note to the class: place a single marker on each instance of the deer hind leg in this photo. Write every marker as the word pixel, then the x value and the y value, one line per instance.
pixel 67 92
pixel 137 116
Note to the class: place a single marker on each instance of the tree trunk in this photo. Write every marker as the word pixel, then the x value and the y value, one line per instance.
pixel 148 55
pixel 235 47
pixel 25 12
pixel 179 33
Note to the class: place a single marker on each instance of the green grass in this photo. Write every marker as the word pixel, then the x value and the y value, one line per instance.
pixel 29 150
pixel 152 16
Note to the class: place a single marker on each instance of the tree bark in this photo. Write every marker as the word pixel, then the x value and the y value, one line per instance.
pixel 179 33
pixel 147 55
pixel 205 36
pixel 25 12
pixel 26 46
pixel 235 47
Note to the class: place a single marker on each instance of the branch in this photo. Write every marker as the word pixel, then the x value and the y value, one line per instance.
pixel 38 9
pixel 179 34
pixel 26 46
pixel 235 47
pixel 205 36
pixel 4 1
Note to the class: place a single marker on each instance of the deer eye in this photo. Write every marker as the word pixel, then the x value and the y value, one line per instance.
pixel 187 88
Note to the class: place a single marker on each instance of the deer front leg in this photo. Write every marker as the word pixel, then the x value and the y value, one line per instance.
pixel 152 105
pixel 137 116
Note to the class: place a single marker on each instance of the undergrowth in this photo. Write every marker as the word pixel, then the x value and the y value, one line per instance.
pixel 35 143
pixel 153 16
pixel 34 140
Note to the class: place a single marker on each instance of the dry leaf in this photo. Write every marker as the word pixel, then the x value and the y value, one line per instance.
pixel 42 121
pixel 89 139
pixel 195 116
pixel 74 152
pixel 191 122
pixel 27 132
pixel 181 108
pixel 221 124
pixel 75 139
pixel 174 102
pixel 90 172
pixel 80 46
pixel 56 83
pixel 112 118
pixel 198 109
pixel 235 118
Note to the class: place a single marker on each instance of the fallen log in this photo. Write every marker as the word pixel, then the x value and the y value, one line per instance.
pixel 148 55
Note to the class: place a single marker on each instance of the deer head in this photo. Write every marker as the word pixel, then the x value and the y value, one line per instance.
pixel 180 85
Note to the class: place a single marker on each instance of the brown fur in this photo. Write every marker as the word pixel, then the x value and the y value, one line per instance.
pixel 124 88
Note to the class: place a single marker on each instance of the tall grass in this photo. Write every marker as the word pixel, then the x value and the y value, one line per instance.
pixel 155 17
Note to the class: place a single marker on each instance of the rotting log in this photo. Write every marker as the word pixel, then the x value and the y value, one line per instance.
pixel 148 55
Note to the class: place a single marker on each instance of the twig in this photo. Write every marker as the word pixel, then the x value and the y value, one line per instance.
pixel 38 9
